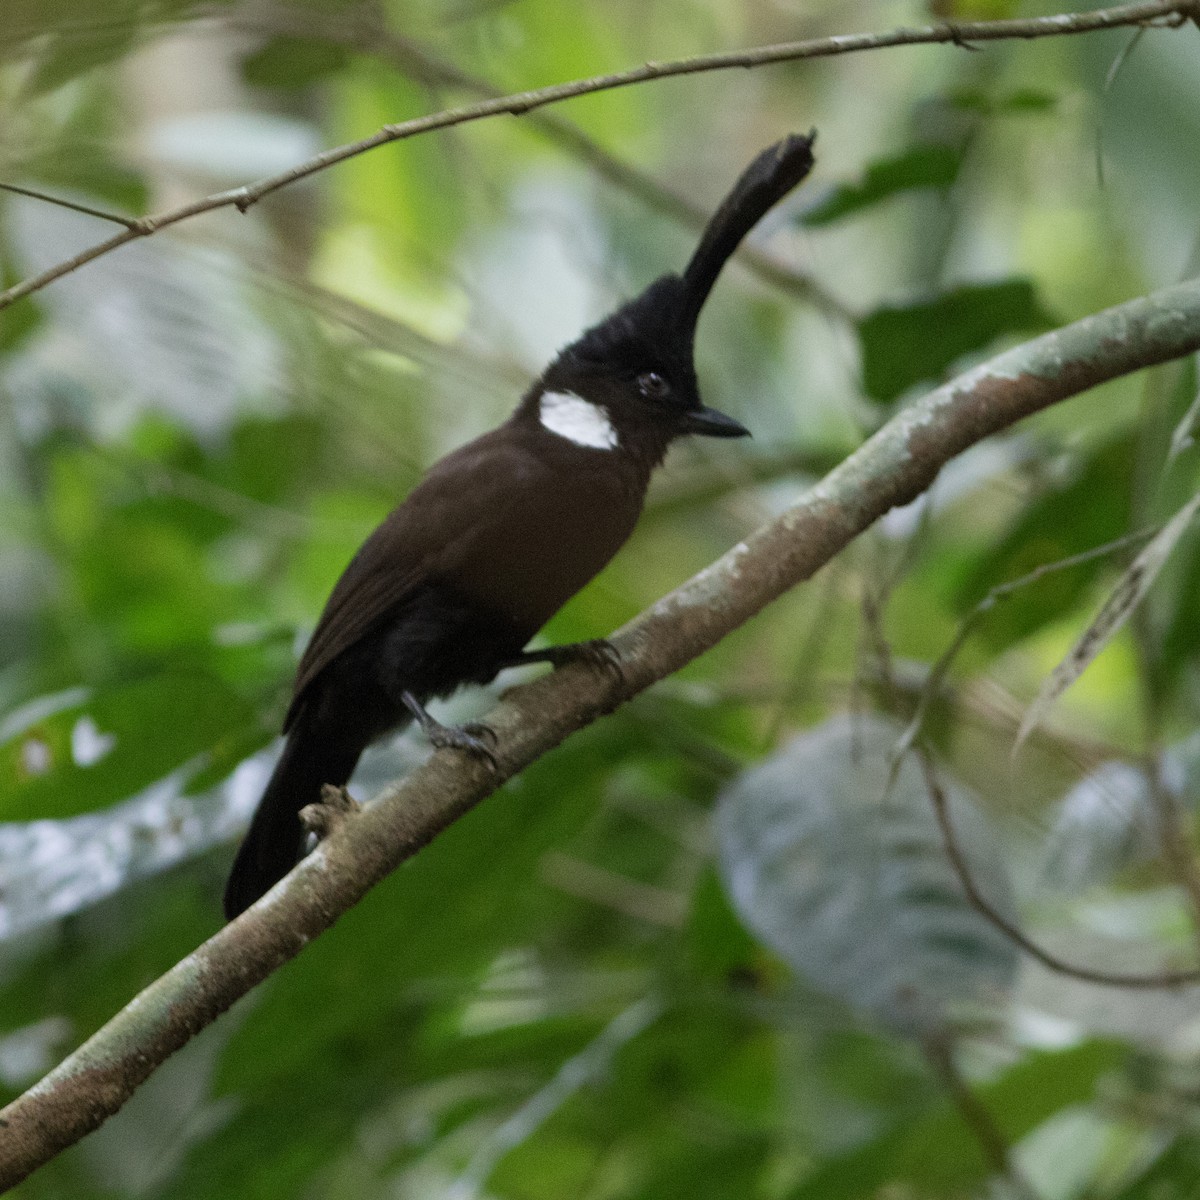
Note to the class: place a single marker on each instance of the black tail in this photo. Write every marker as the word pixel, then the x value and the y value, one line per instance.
pixel 761 185
pixel 275 838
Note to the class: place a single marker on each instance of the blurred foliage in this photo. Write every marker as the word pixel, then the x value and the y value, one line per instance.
pixel 918 167
pixel 918 343
pixel 588 986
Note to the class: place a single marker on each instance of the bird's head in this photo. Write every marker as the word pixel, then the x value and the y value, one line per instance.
pixel 630 381
pixel 635 369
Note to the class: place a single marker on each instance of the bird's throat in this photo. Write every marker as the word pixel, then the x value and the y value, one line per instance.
pixel 578 420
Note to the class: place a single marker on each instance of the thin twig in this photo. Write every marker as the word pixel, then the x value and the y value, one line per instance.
pixel 116 218
pixel 1153 13
pixel 940 669
pixel 1121 979
pixel 645 902
pixel 939 1052
pixel 371 37
pixel 801 678
pixel 1109 79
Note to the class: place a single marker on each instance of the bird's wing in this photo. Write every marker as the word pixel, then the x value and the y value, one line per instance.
pixel 466 492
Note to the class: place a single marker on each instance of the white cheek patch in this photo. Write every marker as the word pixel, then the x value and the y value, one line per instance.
pixel 578 420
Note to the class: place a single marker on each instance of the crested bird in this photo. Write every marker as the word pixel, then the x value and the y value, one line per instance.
pixel 500 533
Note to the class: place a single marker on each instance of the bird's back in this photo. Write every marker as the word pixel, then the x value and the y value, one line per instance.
pixel 515 522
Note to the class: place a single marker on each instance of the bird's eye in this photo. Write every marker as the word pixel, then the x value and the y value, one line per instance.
pixel 653 386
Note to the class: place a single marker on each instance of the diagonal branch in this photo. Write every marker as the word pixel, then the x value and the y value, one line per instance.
pixel 899 462
pixel 965 34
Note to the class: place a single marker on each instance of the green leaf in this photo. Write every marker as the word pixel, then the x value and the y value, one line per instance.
pixel 918 167
pixel 20 319
pixel 976 10
pixel 1021 100
pixel 848 881
pixel 91 178
pixel 939 1155
pixel 67 56
pixel 105 748
pixel 77 159
pixel 293 62
pixel 1087 510
pixel 903 345
pixel 1175 1174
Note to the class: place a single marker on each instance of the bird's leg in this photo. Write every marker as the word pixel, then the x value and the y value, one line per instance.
pixel 472 737
pixel 599 652
pixel 336 804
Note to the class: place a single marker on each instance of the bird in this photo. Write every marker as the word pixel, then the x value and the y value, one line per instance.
pixel 500 534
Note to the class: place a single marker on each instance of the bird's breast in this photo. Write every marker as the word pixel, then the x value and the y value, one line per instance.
pixel 552 534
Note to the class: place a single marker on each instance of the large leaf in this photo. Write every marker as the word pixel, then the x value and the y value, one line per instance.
pixel 1103 824
pixel 103 746
pixel 849 882
pixel 939 1155
pixel 907 344
pixel 50 869
pixel 917 167
pixel 1088 508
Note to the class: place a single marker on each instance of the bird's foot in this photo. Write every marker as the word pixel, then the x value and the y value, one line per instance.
pixel 599 653
pixel 336 804
pixel 474 737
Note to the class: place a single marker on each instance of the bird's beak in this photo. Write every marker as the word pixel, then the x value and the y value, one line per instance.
pixel 709 423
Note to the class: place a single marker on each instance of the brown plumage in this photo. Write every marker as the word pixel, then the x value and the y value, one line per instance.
pixel 501 533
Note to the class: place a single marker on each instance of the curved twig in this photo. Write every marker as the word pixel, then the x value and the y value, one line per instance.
pixel 1152 980
pixel 1150 13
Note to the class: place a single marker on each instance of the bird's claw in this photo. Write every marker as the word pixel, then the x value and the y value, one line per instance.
pixel 599 653
pixel 481 730
pixel 474 737
pixel 335 805
pixel 339 799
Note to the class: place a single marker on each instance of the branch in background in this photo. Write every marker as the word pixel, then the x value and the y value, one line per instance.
pixel 1152 13
pixel 365 34
pixel 1154 979
pixel 74 206
pixel 898 463
pixel 690 487
pixel 936 678
pixel 939 1053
